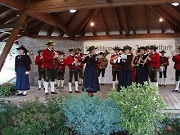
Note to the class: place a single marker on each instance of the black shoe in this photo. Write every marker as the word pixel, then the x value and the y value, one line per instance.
pixel 23 94
pixel 19 94
pixel 164 85
pixel 46 93
pixel 102 83
pixel 77 91
pixel 70 91
pixel 175 91
pixel 160 84
pixel 54 93
pixel 39 89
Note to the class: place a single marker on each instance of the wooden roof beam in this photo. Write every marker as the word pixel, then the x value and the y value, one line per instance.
pixel 171 25
pixel 118 20
pixel 84 22
pixel 54 22
pixel 104 22
pixel 50 6
pixel 166 15
pixel 124 20
pixel 11 39
pixel 89 21
pixel 132 19
pixel 14 4
pixel 147 19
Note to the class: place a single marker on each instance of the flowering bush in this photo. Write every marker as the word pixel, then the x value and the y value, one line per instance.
pixel 6 89
pixel 141 108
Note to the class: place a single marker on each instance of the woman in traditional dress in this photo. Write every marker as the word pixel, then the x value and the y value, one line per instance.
pixel 22 67
pixel 90 81
pixel 125 78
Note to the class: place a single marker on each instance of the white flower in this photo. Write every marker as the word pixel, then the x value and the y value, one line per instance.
pixel 135 106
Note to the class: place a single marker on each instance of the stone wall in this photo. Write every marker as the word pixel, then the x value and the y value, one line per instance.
pixel 39 44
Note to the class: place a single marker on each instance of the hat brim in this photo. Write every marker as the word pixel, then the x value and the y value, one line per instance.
pixel 51 44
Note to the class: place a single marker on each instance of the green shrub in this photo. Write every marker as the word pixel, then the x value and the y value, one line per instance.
pixel 6 89
pixel 92 115
pixel 34 118
pixel 141 108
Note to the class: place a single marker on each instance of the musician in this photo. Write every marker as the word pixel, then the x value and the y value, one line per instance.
pixel 125 77
pixel 73 64
pixel 41 72
pixel 154 64
pixel 50 66
pixel 79 56
pixel 101 66
pixel 164 62
pixel 176 60
pixel 142 66
pixel 61 69
pixel 22 68
pixel 90 82
pixel 116 66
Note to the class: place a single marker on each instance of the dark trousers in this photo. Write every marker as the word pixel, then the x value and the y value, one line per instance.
pixel 60 74
pixel 115 74
pixel 163 74
pixel 101 71
pixel 50 74
pixel 153 74
pixel 71 73
pixel 41 73
pixel 177 74
pixel 81 73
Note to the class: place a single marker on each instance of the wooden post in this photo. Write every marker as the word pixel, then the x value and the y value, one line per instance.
pixel 11 39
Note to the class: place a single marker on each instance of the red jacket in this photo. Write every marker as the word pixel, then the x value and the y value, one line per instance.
pixel 164 61
pixel 80 58
pixel 69 61
pixel 48 58
pixel 62 64
pixel 155 60
pixel 114 65
pixel 39 62
pixel 176 59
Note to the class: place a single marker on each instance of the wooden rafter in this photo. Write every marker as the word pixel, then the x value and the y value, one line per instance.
pixel 51 6
pixel 147 19
pixel 124 20
pixel 171 25
pixel 132 19
pixel 104 22
pixel 11 39
pixel 70 21
pixel 166 15
pixel 90 20
pixel 93 31
pixel 117 17
pixel 54 22
pixel 14 4
pixel 50 31
pixel 4 37
pixel 84 22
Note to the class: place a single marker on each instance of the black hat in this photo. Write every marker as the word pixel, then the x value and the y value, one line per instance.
pixel 23 48
pixel 40 51
pixel 78 49
pixel 91 48
pixel 153 47
pixel 117 48
pixel 101 53
pixel 127 47
pixel 60 52
pixel 50 42
pixel 162 51
pixel 70 50
pixel 142 47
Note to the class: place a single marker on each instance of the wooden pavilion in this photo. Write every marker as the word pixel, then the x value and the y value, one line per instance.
pixel 114 19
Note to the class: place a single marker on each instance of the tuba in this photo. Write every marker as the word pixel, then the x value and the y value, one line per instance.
pixel 105 53
pixel 104 61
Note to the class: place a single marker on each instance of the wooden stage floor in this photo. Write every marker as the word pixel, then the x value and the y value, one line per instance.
pixel 171 99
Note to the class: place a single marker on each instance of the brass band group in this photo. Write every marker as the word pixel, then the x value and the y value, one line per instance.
pixel 89 69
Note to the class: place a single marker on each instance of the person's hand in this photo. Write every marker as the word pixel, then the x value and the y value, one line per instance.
pixel 149 58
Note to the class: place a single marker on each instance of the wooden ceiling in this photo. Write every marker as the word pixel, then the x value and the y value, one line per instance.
pixel 113 19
